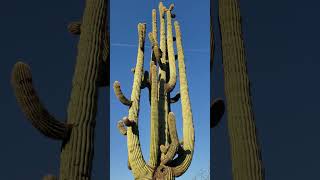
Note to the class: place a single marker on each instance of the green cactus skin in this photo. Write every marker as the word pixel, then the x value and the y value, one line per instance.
pixel 93 49
pixel 245 150
pixel 30 104
pixel 163 97
pixel 164 142
pixel 172 66
pixel 122 98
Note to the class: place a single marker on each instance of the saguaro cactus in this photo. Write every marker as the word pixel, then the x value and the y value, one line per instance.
pixel 164 143
pixel 77 133
pixel 245 150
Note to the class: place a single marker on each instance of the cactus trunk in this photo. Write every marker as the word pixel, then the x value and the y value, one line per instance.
pixel 245 150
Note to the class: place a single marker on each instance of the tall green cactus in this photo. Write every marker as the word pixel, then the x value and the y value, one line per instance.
pixel 164 143
pixel 245 150
pixel 77 133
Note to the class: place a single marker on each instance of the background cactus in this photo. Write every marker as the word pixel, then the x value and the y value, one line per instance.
pixel 245 150
pixel 78 131
pixel 164 143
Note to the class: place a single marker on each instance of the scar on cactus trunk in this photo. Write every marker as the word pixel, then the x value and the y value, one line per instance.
pixel 92 65
pixel 168 158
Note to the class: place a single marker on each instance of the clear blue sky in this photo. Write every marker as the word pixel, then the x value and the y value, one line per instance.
pixel 194 22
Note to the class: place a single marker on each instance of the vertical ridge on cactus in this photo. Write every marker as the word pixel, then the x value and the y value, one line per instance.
pixel 168 159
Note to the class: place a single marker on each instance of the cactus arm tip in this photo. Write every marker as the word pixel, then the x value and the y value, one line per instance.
pixel 32 107
pixel 122 98
pixel 173 147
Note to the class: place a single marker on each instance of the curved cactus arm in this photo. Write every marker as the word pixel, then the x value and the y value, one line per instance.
pixel 217 110
pixel 49 177
pixel 175 98
pixel 155 47
pixel 173 147
pixel 172 66
pixel 181 164
pixel 74 28
pixel 122 98
pixel 154 130
pixel 32 107
pixel 139 166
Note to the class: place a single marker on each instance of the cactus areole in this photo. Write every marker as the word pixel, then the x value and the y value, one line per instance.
pixel 77 133
pixel 169 157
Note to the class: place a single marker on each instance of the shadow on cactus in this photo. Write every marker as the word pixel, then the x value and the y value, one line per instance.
pixel 169 158
pixel 92 65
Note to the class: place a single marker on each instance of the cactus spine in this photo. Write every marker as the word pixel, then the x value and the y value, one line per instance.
pixel 245 150
pixel 77 133
pixel 164 143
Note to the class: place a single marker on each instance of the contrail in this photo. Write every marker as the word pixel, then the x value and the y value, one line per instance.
pixel 186 50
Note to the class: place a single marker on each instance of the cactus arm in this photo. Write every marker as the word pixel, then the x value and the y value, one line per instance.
pixel 163 99
pixel 32 107
pixel 172 66
pixel 137 162
pixel 155 47
pixel 154 130
pixel 183 161
pixel 175 98
pixel 245 148
pixel 217 109
pixel 173 147
pixel 122 98
pixel 154 25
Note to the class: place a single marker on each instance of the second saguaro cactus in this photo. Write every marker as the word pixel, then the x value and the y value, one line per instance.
pixel 161 79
